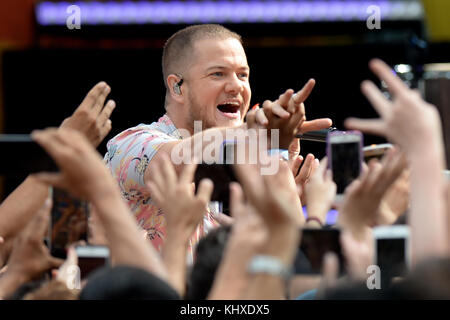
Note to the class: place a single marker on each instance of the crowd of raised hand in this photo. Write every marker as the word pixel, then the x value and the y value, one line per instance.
pixel 266 214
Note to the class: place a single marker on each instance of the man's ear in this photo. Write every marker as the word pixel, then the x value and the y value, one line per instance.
pixel 173 84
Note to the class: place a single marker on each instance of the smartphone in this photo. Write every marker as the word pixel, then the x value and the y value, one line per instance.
pixel 344 151
pixel 21 155
pixel 69 222
pixel 316 136
pixel 91 258
pixel 376 151
pixel 392 250
pixel 221 173
pixel 315 243
pixel 446 174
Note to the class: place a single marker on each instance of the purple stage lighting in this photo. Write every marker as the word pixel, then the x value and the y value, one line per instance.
pixel 189 11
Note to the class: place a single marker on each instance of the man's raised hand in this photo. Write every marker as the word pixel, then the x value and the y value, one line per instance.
pixel 287 114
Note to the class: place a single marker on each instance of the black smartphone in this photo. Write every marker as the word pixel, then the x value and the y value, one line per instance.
pixel 91 258
pixel 344 151
pixel 21 155
pixel 69 222
pixel 392 250
pixel 221 174
pixel 315 243
pixel 316 136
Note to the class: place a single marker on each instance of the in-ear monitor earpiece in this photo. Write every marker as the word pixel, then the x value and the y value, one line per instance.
pixel 177 86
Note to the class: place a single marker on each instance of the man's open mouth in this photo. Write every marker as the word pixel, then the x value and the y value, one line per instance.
pixel 230 109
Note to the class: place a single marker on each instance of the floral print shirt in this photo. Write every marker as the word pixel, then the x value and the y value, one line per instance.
pixel 128 155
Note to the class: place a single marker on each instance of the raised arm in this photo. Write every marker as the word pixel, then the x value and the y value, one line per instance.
pixel 248 236
pixel 183 210
pixel 362 199
pixel 415 126
pixel 320 193
pixel 274 198
pixel 91 119
pixel 84 175
pixel 29 257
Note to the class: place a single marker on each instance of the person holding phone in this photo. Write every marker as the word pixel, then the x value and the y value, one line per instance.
pixel 415 126
pixel 206 75
pixel 91 119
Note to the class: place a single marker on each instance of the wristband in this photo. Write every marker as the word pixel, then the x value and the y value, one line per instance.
pixel 269 265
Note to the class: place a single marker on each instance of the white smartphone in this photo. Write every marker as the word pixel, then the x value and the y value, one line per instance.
pixel 91 258
pixel 392 250
pixel 344 151
pixel 376 151
pixel 446 174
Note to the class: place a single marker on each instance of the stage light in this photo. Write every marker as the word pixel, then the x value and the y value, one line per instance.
pixel 187 12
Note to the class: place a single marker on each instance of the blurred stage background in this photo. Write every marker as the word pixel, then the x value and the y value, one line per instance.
pixel 46 69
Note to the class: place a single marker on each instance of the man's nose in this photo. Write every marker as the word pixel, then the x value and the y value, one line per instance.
pixel 234 84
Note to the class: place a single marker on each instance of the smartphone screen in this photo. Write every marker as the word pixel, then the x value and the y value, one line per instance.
pixel 221 174
pixel 91 258
pixel 391 256
pixel 21 155
pixel 345 157
pixel 69 222
pixel 392 250
pixel 315 243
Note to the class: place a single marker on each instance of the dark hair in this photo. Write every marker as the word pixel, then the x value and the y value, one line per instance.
pixel 354 290
pixel 208 257
pixel 178 47
pixel 26 288
pixel 126 283
pixel 428 280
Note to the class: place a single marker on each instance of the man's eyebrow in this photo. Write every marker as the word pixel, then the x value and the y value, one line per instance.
pixel 223 68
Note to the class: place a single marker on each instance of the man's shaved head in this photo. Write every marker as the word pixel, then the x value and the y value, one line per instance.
pixel 178 50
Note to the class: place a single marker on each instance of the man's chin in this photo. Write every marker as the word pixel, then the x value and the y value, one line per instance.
pixel 228 119
pixel 228 122
pixel 220 122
